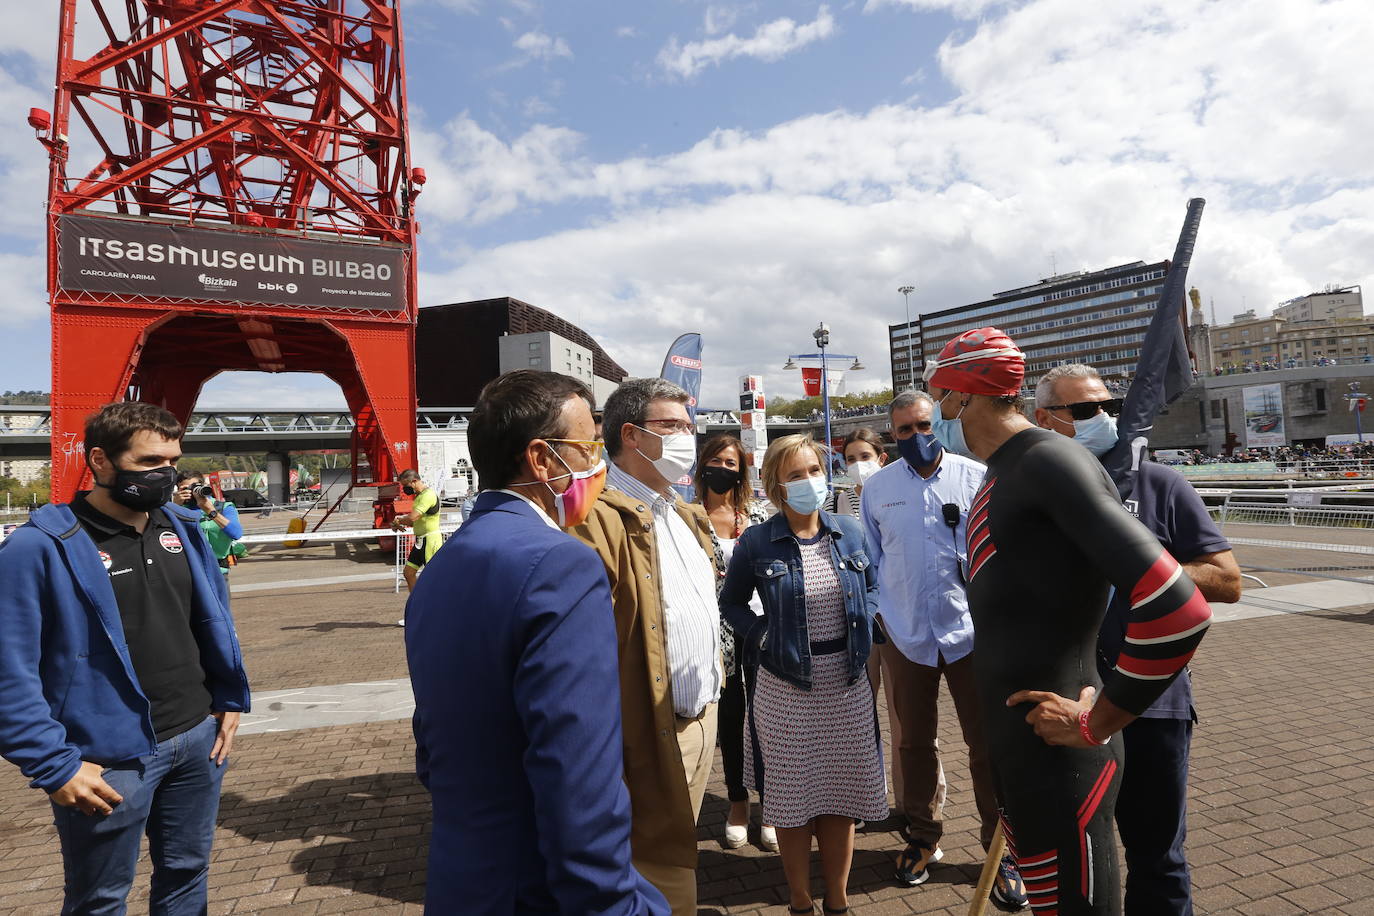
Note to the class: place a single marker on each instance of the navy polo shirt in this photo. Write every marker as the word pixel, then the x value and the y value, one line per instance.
pixel 1166 503
pixel 152 583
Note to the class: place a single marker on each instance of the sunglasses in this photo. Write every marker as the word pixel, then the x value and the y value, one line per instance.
pixel 1086 410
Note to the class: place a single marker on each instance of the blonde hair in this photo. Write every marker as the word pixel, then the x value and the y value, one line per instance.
pixel 780 451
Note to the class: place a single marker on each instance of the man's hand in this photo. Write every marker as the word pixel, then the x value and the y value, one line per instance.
pixel 87 792
pixel 206 503
pixel 1055 718
pixel 224 738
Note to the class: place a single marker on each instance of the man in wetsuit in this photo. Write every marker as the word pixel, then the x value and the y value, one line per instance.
pixel 1047 539
pixel 1151 810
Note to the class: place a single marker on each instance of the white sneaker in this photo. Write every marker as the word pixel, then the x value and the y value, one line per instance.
pixel 401 622
pixel 768 839
pixel 736 836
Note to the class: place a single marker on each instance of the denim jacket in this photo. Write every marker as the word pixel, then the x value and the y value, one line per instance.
pixel 768 558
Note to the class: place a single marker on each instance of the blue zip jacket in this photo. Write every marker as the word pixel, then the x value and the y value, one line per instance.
pixel 69 689
pixel 767 557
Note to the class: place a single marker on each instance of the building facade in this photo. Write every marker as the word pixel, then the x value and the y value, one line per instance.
pixel 1332 302
pixel 1281 343
pixel 1098 317
pixel 460 347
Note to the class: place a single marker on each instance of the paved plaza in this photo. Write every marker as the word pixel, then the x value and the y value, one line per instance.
pixel 321 811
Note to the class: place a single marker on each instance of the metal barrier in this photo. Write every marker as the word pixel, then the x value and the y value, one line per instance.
pixel 1294 516
pixel 404 541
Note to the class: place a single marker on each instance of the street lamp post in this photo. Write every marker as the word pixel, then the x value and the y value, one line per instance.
pixel 906 292
pixel 1357 396
pixel 822 337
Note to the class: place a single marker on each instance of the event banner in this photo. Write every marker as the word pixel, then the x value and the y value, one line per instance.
pixel 1264 416
pixel 142 258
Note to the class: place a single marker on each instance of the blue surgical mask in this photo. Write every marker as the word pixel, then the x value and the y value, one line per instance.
pixel 949 432
pixel 806 495
pixel 1097 434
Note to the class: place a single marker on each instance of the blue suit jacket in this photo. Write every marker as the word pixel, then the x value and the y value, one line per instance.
pixel 511 641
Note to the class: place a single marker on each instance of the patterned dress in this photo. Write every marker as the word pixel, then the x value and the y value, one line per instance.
pixel 819 746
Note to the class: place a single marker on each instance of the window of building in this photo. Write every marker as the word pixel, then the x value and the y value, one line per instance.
pixel 534 360
pixel 1216 408
pixel 534 346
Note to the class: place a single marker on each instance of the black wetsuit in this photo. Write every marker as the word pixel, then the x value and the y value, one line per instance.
pixel 1047 537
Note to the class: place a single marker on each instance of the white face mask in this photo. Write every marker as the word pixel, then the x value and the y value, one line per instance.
pixel 860 471
pixel 679 454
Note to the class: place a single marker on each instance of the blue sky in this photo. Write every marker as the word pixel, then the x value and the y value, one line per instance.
pixel 747 169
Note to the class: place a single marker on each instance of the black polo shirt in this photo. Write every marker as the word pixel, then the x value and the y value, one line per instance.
pixel 151 576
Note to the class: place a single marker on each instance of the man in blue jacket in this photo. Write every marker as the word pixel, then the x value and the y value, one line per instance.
pixel 511 641
pixel 121 682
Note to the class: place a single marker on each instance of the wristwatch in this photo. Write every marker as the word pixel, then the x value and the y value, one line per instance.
pixel 212 513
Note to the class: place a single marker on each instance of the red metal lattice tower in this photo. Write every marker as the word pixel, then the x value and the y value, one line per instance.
pixel 266 124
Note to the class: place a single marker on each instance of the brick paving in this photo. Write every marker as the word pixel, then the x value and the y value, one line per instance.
pixel 331 820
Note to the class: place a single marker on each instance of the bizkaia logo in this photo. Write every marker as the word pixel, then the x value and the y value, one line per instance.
pixel 210 282
pixel 685 362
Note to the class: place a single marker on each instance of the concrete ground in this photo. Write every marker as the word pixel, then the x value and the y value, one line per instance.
pixel 321 812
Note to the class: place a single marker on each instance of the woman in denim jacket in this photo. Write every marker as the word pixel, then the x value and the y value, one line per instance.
pixel 812 731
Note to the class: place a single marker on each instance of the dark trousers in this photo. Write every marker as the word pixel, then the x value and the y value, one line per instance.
pixel 734 701
pixel 1151 814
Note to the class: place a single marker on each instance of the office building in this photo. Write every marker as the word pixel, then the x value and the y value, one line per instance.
pixel 1096 317
pixel 1332 302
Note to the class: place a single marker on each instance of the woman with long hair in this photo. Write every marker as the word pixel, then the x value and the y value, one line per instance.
pixel 722 485
pixel 813 748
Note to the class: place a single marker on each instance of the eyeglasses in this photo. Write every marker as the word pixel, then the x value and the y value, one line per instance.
pixel 672 425
pixel 592 448
pixel 1086 410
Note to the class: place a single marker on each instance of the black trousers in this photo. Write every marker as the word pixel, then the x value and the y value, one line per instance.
pixel 1151 814
pixel 734 700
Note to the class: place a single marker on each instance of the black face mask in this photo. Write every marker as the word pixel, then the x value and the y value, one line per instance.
pixel 142 491
pixel 720 480
pixel 408 490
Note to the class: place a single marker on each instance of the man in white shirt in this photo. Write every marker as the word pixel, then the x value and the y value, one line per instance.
pixel 658 555
pixel 915 515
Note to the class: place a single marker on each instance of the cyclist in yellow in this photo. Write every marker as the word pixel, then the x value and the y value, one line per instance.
pixel 423 518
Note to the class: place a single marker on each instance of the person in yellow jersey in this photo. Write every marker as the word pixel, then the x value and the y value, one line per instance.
pixel 423 518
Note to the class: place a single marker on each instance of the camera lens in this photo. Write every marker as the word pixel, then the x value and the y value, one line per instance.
pixel 198 491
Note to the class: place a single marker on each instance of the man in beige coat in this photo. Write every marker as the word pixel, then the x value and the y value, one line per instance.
pixel 658 556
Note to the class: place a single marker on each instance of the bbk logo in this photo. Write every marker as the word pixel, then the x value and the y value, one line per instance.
pixel 210 282
pixel 278 287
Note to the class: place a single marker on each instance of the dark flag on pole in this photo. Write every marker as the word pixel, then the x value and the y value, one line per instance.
pixel 1164 371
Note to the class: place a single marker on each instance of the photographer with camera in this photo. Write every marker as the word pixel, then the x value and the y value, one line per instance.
pixel 219 519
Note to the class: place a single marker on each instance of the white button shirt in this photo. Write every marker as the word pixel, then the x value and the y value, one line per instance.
pixel 691 613
pixel 921 596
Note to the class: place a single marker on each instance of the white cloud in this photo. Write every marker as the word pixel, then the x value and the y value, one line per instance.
pixel 539 46
pixel 626 31
pixel 1076 136
pixel 720 18
pixel 770 42
pixel 965 9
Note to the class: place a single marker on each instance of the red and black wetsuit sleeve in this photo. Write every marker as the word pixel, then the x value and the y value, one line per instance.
pixel 1168 615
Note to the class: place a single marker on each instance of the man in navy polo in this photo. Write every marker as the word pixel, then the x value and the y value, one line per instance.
pixel 1151 811
pixel 121 681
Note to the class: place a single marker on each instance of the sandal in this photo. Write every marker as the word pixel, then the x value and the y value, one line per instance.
pixel 842 911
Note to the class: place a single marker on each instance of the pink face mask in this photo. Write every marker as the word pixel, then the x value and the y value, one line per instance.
pixel 574 504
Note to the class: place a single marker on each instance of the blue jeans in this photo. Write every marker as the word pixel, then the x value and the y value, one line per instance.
pixel 173 796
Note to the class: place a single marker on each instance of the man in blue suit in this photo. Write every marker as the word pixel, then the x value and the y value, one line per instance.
pixel 511 642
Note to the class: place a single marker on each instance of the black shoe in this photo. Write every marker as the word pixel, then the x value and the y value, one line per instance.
pixel 913 863
pixel 1009 891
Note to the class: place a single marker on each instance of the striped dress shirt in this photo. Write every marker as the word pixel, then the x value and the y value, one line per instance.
pixel 687 583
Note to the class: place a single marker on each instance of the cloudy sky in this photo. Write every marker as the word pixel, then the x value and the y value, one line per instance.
pixel 747 169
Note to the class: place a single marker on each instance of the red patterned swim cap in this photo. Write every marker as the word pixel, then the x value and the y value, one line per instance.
pixel 981 361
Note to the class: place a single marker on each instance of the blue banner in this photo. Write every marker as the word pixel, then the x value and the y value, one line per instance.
pixel 682 366
pixel 1164 371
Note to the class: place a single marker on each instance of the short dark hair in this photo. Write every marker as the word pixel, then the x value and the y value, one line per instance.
pixel 863 434
pixel 630 404
pixel 183 476
pixel 512 410
pixel 112 427
pixel 408 474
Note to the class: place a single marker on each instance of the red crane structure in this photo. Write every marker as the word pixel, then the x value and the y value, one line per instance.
pixel 230 190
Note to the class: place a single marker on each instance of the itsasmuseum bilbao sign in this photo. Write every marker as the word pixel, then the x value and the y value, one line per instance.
pixel 140 258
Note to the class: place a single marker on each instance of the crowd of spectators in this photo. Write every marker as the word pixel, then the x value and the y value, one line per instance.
pixel 1289 363
pixel 1285 455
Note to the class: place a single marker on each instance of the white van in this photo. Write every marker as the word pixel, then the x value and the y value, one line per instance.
pixel 1173 455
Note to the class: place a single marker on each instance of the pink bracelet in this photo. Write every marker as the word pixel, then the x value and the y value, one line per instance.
pixel 1086 731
